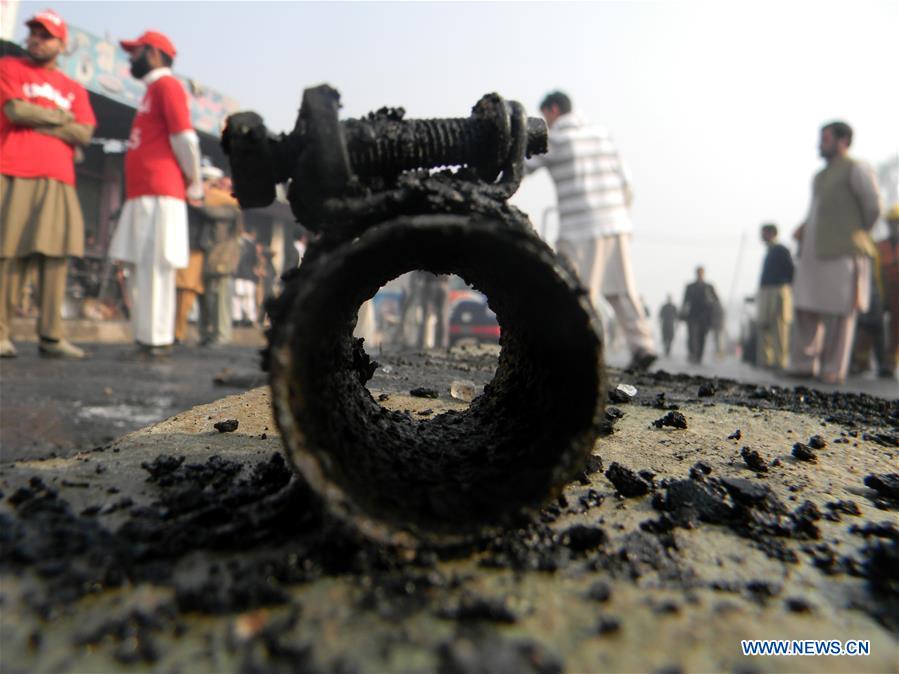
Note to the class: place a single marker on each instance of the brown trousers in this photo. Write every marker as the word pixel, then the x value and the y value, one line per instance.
pixel 774 306
pixel 189 282
pixel 185 302
pixel 51 292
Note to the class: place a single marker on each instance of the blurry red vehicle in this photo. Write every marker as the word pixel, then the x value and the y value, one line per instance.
pixel 470 319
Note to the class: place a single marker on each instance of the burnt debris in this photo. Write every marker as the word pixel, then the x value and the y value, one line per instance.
pixel 672 419
pixel 754 460
pixel 627 482
pixel 226 426
pixel 368 190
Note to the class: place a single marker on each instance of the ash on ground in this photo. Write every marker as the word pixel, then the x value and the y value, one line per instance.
pixel 182 548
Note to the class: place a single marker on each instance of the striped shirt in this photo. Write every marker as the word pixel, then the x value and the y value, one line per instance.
pixel 591 182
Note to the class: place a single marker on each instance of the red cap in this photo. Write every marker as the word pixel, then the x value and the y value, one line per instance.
pixel 52 22
pixel 152 39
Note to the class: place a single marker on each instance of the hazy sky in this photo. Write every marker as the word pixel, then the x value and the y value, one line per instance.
pixel 715 106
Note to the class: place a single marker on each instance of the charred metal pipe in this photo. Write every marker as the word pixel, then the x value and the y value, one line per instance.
pixel 399 479
pixel 334 167
pixel 391 477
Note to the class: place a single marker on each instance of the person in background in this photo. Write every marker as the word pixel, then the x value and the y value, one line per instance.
pixel 425 302
pixel 668 321
pixel 162 170
pixel 869 331
pixel 831 283
pixel 45 118
pixel 594 195
pixel 697 309
pixel 266 285
pixel 294 253
pixel 245 278
pixel 189 281
pixel 434 305
pixel 222 258
pixel 774 302
pixel 888 253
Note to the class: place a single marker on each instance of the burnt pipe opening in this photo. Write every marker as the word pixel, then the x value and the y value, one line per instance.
pixel 447 477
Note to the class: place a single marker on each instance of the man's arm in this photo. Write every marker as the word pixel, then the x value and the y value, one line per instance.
pixel 864 186
pixel 785 260
pixel 73 133
pixel 28 114
pixel 625 176
pixel 685 304
pixel 186 146
pixel 221 213
pixel 173 102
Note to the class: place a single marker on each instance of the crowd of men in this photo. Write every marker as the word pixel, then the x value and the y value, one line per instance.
pixel 180 238
pixel 824 313
pixel 813 323
pixel 809 310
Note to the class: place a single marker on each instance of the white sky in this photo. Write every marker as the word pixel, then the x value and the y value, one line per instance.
pixel 715 106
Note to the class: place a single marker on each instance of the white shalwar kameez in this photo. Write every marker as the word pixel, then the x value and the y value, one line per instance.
pixel 151 238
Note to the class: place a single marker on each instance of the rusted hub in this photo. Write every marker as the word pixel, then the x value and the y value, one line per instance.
pixel 448 479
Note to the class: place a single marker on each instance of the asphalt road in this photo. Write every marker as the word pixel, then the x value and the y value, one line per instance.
pixel 55 407
pixel 50 406
pixel 731 367
pixel 60 407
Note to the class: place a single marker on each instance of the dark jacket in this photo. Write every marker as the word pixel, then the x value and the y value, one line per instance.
pixel 246 268
pixel 777 269
pixel 668 317
pixel 699 301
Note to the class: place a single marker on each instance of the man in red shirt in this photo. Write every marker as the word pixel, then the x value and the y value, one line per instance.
pixel 162 170
pixel 44 116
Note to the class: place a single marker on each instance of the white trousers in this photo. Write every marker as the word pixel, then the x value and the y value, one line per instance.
pixel 822 344
pixel 604 267
pixel 243 302
pixel 151 239
pixel 152 289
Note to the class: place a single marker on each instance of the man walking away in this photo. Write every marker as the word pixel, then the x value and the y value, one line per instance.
pixel 594 224
pixel 833 269
pixel 668 321
pixel 162 169
pixel 698 305
pixel 774 302
pixel 44 118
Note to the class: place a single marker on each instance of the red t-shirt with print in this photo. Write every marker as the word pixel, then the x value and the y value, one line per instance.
pixel 151 168
pixel 25 152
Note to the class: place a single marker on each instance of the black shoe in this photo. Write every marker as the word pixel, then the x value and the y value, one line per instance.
pixel 641 360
